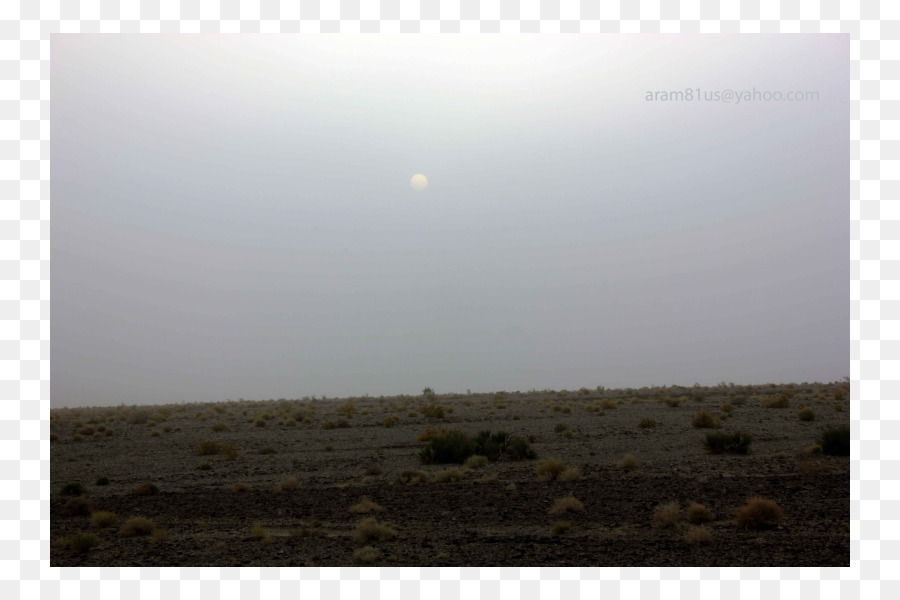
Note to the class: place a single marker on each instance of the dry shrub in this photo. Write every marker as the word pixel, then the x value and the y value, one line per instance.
pixel 476 461
pixel 448 475
pixel 430 432
pixel 782 400
pixel 82 542
pixel 566 505
pixel 629 461
pixel 76 507
pixel 489 478
pixel 371 529
pixel 261 533
pixel 288 484
pixel 608 404
pixel 806 414
pixel 86 430
pixel 159 536
pixel 137 526
pixel 727 407
pixel 561 527
pixel 103 518
pixel 699 514
pixel 365 505
pixel 696 535
pixel 758 513
pixel 411 477
pixel 230 452
pixel 366 555
pixel 145 489
pixel 570 474
pixel 240 486
pixel 704 419
pixel 390 421
pixel 550 469
pixel 667 516
pixel 208 447
pixel 647 423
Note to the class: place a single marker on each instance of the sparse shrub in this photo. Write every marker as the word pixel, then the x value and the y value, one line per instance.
pixel 561 527
pixel 102 481
pixel 758 513
pixel 629 461
pixel 667 516
pixel 727 407
pixel 365 505
pixel 259 422
pixel 240 486
pixel 448 475
pixel 647 423
pixel 145 489
pixel 328 447
pixel 348 409
pixel 782 400
pixel 550 469
pixel 670 402
pixel 329 425
pixel 433 411
pixel 371 529
pixel 410 477
pixel 500 445
pixel 806 414
pixel 288 484
pixel 137 526
pixel 608 404
pixel 366 555
pixel 87 430
pixel 76 507
pixel 208 447
pixel 154 433
pixel 560 427
pixel 220 427
pixel 290 423
pixel 566 505
pixel 721 442
pixel 82 542
pixel 696 535
pixel 451 447
pixel 835 441
pixel 72 489
pixel 158 536
pixel 430 432
pixel 389 421
pixel 476 461
pixel 570 474
pixel 261 533
pixel 699 514
pixel 103 518
pixel 704 419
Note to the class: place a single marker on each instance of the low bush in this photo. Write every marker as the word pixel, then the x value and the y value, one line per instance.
pixel 566 505
pixel 667 516
pixel 758 513
pixel 806 414
pixel 696 535
pixel 721 442
pixel 410 477
pixel 220 427
pixel 240 486
pixel 145 489
pixel 433 411
pixel 570 474
pixel 450 447
pixel 72 489
pixel 103 518
pixel 703 419
pixel 502 446
pixel 430 432
pixel 102 481
pixel 261 533
pixel 366 555
pixel 699 514
pixel 550 469
pixel 389 421
pixel 137 526
pixel 782 400
pixel 208 447
pixel 452 475
pixel 476 461
pixel 365 505
pixel 82 542
pixel 561 527
pixel 629 461
pixel 76 507
pixel 288 484
pixel 371 529
pixel 647 423
pixel 835 441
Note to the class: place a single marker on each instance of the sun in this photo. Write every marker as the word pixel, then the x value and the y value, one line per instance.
pixel 418 182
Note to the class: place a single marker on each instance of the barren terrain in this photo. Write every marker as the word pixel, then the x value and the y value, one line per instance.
pixel 306 462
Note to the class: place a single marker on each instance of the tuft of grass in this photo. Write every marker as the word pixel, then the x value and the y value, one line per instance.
pixel 453 475
pixel 288 484
pixel 727 407
pixel 629 461
pixel 82 542
pixel 145 489
pixel 550 469
pixel 696 535
pixel 410 477
pixel 103 518
pixel 240 486
pixel 782 400
pixel 390 421
pixel 561 527
pixel 703 419
pixel 158 536
pixel 261 533
pixel 208 447
pixel 570 474
pixel 835 441
pixel 230 452
pixel 205 466
pixel 220 427
pixel 758 513
pixel 699 514
pixel 430 432
pixel 647 423
pixel 365 505
pixel 476 461
pixel 720 442
pixel 137 526
pixel 566 505
pixel 371 529
pixel 366 555
pixel 667 516
pixel 806 414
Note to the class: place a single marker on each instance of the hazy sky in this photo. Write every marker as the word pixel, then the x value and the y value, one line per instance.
pixel 232 215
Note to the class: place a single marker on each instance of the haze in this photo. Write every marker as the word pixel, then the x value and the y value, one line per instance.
pixel 232 216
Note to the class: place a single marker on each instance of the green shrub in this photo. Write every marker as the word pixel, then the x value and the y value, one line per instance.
pixel 450 447
pixel 721 442
pixel 220 427
pixel 835 441
pixel 502 446
pixel 102 518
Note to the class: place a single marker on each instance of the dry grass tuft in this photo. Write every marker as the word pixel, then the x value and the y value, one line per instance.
pixel 102 518
pixel 410 477
pixel 240 486
pixel 452 475
pixel 366 555
pixel 137 526
pixel 476 461
pixel 261 533
pixel 561 527
pixel 667 516
pixel 629 461
pixel 699 514
pixel 365 505
pixel 704 419
pixel 145 489
pixel 696 535
pixel 430 432
pixel 371 529
pixel 550 469
pixel 758 513
pixel 570 474
pixel 566 505
pixel 287 484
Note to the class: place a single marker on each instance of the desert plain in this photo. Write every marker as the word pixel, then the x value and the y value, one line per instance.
pixel 588 477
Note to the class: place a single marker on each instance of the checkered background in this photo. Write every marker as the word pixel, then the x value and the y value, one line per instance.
pixel 25 26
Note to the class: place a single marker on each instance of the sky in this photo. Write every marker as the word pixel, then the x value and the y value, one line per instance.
pixel 232 216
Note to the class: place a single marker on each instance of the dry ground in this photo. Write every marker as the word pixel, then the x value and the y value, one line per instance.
pixel 495 515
